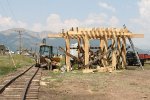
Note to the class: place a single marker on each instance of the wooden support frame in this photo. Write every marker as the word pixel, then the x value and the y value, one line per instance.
pixel 118 37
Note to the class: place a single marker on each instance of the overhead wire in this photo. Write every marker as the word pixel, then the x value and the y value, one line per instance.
pixel 11 11
pixel 3 9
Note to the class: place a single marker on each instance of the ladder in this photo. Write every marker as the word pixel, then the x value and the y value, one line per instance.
pixel 138 59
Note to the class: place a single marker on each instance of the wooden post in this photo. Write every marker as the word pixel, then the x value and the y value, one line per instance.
pixel 86 50
pixel 123 52
pixel 67 40
pixel 119 60
pixel 79 46
pixel 102 47
pixel 105 48
pixel 114 51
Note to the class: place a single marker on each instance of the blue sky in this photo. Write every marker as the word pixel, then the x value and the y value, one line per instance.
pixel 53 15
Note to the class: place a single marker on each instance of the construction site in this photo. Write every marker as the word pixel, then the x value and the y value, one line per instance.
pixel 74 50
pixel 109 56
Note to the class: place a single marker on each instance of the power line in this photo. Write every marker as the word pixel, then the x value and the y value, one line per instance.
pixel 20 40
pixel 11 11
pixel 3 9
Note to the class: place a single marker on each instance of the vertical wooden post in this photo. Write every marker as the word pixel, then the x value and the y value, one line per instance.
pixel 114 51
pixel 86 50
pixel 105 48
pixel 123 52
pixel 79 47
pixel 102 47
pixel 67 50
pixel 119 51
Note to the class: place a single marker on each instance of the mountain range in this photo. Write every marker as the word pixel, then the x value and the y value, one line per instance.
pixel 31 40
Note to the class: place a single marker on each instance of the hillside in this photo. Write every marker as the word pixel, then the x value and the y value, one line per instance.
pixel 30 39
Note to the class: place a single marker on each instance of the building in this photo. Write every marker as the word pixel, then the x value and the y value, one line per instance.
pixel 3 49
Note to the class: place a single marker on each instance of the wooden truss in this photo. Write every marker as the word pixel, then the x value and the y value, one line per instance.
pixel 117 37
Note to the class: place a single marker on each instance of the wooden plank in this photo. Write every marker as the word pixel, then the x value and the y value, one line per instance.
pixel 119 51
pixel 86 49
pixel 102 47
pixel 55 35
pixel 123 52
pixel 114 60
pixel 137 36
pixel 92 34
pixel 68 51
pixel 87 33
pixel 96 34
pixel 79 47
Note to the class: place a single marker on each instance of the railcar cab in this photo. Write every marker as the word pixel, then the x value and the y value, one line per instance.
pixel 45 52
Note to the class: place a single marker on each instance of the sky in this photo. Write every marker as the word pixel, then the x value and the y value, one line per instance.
pixel 55 15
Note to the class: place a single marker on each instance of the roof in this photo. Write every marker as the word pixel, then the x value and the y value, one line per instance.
pixel 96 33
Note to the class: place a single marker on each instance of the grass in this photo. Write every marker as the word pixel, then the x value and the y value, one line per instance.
pixel 7 66
pixel 147 66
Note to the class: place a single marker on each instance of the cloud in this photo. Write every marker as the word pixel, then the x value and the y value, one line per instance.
pixel 142 22
pixel 114 21
pixel 106 6
pixel 37 27
pixel 8 22
pixel 95 19
pixel 54 22
pixel 144 9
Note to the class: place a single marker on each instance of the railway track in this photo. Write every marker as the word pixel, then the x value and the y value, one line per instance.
pixel 24 86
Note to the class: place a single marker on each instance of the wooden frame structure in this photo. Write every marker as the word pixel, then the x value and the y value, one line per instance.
pixel 117 37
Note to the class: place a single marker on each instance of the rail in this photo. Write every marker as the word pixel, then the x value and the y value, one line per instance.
pixel 13 79
pixel 27 86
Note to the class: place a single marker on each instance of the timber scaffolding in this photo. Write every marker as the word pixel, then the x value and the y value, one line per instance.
pixel 108 56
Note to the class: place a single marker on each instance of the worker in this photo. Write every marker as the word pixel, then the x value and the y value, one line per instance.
pixel 49 65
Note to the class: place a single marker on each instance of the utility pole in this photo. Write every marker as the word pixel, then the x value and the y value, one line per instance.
pixel 20 40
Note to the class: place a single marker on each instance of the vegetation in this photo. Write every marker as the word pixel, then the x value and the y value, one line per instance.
pixel 7 66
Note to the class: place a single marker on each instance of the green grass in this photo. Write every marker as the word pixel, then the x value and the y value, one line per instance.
pixel 7 66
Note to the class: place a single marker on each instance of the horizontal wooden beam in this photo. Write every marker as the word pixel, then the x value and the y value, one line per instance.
pixel 95 34
pixel 137 36
pixel 55 35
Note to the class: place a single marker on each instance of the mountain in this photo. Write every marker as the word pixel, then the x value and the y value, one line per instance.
pixel 29 39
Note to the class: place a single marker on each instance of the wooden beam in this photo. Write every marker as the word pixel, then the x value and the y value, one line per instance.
pixel 86 49
pixel 95 34
pixel 68 51
pixel 55 35
pixel 102 47
pixel 119 52
pixel 79 46
pixel 123 52
pixel 105 48
pixel 137 36
pixel 114 60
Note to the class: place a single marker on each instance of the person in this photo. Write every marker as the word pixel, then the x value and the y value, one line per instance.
pixel 49 66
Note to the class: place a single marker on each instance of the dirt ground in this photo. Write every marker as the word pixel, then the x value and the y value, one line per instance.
pixel 118 85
